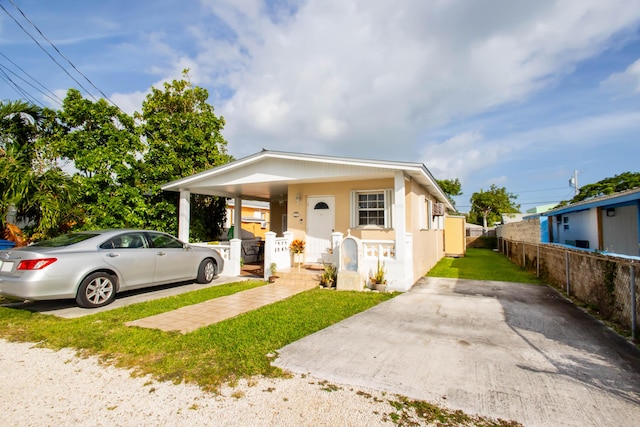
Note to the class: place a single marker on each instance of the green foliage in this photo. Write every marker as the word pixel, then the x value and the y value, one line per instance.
pixel 451 187
pixel 30 179
pixel 183 137
pixel 379 275
pixel 615 184
pixel 329 276
pixel 103 145
pixel 119 162
pixel 487 206
pixel 416 412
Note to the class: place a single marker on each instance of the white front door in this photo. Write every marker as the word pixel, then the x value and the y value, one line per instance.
pixel 320 224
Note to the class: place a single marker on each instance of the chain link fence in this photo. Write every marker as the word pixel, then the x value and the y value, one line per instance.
pixel 607 285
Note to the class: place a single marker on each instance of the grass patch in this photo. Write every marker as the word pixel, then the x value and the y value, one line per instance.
pixel 415 412
pixel 482 264
pixel 222 353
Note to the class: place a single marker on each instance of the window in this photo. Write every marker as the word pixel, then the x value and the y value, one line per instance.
pixel 425 212
pixel 371 209
pixel 125 241
pixel 165 241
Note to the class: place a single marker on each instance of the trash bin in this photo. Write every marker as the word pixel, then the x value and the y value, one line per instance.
pixel 6 244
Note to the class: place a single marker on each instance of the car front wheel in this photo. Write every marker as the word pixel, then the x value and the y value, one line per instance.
pixel 206 271
pixel 96 290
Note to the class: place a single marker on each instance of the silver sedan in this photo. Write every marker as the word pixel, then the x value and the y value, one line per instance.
pixel 92 266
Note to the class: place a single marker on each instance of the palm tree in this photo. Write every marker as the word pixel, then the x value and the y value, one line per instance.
pixel 30 182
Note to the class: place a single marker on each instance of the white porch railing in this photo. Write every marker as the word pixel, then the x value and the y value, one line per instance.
pixel 379 249
pixel 276 251
pixel 230 253
pixel 399 272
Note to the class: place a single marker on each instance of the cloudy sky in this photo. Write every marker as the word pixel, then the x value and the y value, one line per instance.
pixel 513 93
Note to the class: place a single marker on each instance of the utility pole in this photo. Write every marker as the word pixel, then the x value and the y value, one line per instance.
pixel 573 182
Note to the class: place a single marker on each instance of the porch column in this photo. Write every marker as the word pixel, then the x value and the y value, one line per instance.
pixel 403 253
pixel 184 215
pixel 237 218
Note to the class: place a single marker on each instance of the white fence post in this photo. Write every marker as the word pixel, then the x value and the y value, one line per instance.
pixel 269 253
pixel 235 254
pixel 336 239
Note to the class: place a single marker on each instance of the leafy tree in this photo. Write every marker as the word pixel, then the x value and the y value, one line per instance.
pixel 451 187
pixel 102 144
pixel 31 182
pixel 183 137
pixel 489 205
pixel 624 181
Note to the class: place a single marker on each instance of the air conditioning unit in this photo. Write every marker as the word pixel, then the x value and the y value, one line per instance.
pixel 438 209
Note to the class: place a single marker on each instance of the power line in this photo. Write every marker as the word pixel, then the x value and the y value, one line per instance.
pixel 57 100
pixel 4 76
pixel 63 56
pixel 32 78
pixel 45 51
pixel 544 189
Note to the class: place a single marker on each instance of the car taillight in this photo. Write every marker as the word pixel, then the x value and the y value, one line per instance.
pixel 35 264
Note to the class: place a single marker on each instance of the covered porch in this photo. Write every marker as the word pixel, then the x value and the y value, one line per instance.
pixel 316 199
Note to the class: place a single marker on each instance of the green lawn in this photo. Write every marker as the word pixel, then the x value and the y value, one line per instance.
pixel 210 356
pixel 225 352
pixel 482 264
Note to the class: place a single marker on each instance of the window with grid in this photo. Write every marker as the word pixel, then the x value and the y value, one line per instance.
pixel 371 208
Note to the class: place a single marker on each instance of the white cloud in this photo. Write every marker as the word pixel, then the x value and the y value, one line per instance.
pixel 129 102
pixel 462 155
pixel 627 81
pixel 342 74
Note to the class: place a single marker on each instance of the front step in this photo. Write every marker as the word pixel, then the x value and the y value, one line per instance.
pixel 303 277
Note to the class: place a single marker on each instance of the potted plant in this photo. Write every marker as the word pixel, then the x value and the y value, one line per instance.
pixel 378 280
pixel 329 276
pixel 297 249
pixel 273 268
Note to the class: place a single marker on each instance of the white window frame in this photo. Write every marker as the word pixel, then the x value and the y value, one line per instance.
pixel 388 204
pixel 422 212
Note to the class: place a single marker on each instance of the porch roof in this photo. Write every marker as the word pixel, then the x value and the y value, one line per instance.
pixel 267 175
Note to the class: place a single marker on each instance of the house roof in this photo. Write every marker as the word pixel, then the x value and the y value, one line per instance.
pixel 266 175
pixel 620 198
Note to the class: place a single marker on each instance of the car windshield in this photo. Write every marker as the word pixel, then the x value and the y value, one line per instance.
pixel 64 240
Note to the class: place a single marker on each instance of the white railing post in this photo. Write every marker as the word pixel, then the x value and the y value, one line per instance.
pixel 269 253
pixel 235 254
pixel 336 239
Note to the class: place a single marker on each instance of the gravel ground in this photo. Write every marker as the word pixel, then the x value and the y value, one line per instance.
pixel 41 387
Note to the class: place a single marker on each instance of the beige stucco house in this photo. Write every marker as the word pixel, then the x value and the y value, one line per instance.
pixel 395 210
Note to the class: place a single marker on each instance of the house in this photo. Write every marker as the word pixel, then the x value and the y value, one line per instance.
pixel 608 223
pixel 254 218
pixel 395 210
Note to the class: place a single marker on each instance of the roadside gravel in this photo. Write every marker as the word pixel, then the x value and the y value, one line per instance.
pixel 42 387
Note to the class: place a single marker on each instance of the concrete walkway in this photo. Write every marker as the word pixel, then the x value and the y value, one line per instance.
pixel 192 317
pixel 504 350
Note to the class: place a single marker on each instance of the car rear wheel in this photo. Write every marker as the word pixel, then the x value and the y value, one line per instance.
pixel 207 271
pixel 96 290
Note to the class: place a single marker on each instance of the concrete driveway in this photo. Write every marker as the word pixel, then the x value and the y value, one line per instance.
pixel 504 350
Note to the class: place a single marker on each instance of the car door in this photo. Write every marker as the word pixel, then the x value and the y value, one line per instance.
pixel 129 253
pixel 174 262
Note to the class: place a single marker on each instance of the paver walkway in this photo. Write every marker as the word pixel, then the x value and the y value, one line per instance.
pixel 192 317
